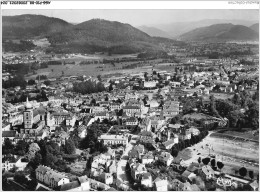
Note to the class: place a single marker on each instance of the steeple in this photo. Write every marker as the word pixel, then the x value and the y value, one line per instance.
pixel 28 105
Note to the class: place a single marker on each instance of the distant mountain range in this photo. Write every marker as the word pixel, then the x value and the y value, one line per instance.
pixel 154 32
pixel 221 32
pixel 98 35
pixel 255 27
pixel 179 28
pixel 90 36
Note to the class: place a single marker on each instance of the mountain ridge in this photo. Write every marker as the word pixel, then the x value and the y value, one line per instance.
pixel 220 32
pixel 94 35
pixel 154 32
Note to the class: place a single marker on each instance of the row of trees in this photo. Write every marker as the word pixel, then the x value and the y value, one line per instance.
pixel 213 163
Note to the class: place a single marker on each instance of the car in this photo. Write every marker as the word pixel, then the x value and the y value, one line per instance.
pixel 198 153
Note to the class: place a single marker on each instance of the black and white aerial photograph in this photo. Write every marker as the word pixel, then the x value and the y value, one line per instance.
pixel 130 99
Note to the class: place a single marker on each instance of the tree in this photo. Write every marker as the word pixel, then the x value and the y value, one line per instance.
pixel 21 147
pixel 70 147
pixel 213 162
pixel 8 147
pixel 20 177
pixel 242 171
pixel 99 77
pixel 32 184
pixel 47 82
pixel 199 160
pixel 251 174
pixel 206 161
pixel 31 82
pixel 176 119
pixel 234 117
pixel 220 165
pixel 50 160
pixel 253 116
pixel 174 151
pixel 37 159
pixel 237 99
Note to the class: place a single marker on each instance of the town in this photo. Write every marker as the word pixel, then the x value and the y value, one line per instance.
pixel 182 119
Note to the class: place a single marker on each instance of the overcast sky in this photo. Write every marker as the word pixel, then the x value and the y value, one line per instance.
pixel 142 17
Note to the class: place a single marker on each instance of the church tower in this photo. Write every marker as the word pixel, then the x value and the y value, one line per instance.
pixel 28 115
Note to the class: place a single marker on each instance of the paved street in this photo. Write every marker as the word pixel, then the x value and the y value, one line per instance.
pixel 121 174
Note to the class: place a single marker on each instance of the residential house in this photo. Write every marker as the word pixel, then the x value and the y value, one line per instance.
pixel 166 158
pixel 134 154
pixel 207 172
pixel 8 135
pixel 147 180
pixel 168 144
pixel 115 106
pixel 147 135
pixel 7 165
pixel 106 178
pixel 188 176
pixel 254 185
pixel 137 170
pixel 21 164
pixel 178 163
pixel 139 148
pixel 132 121
pixel 97 109
pixel 114 139
pixel 132 110
pixel 161 185
pixel 101 116
pixel 193 167
pixel 148 158
pixel 81 184
pixel 50 177
pixel 110 154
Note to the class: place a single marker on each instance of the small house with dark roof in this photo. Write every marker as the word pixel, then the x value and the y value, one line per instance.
pixel 8 134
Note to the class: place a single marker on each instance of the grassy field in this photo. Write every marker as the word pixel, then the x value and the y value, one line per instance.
pixel 54 71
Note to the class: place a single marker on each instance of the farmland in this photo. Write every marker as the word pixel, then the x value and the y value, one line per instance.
pixel 54 71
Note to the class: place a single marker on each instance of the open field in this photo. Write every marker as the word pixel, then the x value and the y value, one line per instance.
pixel 233 154
pixel 236 136
pixel 54 71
